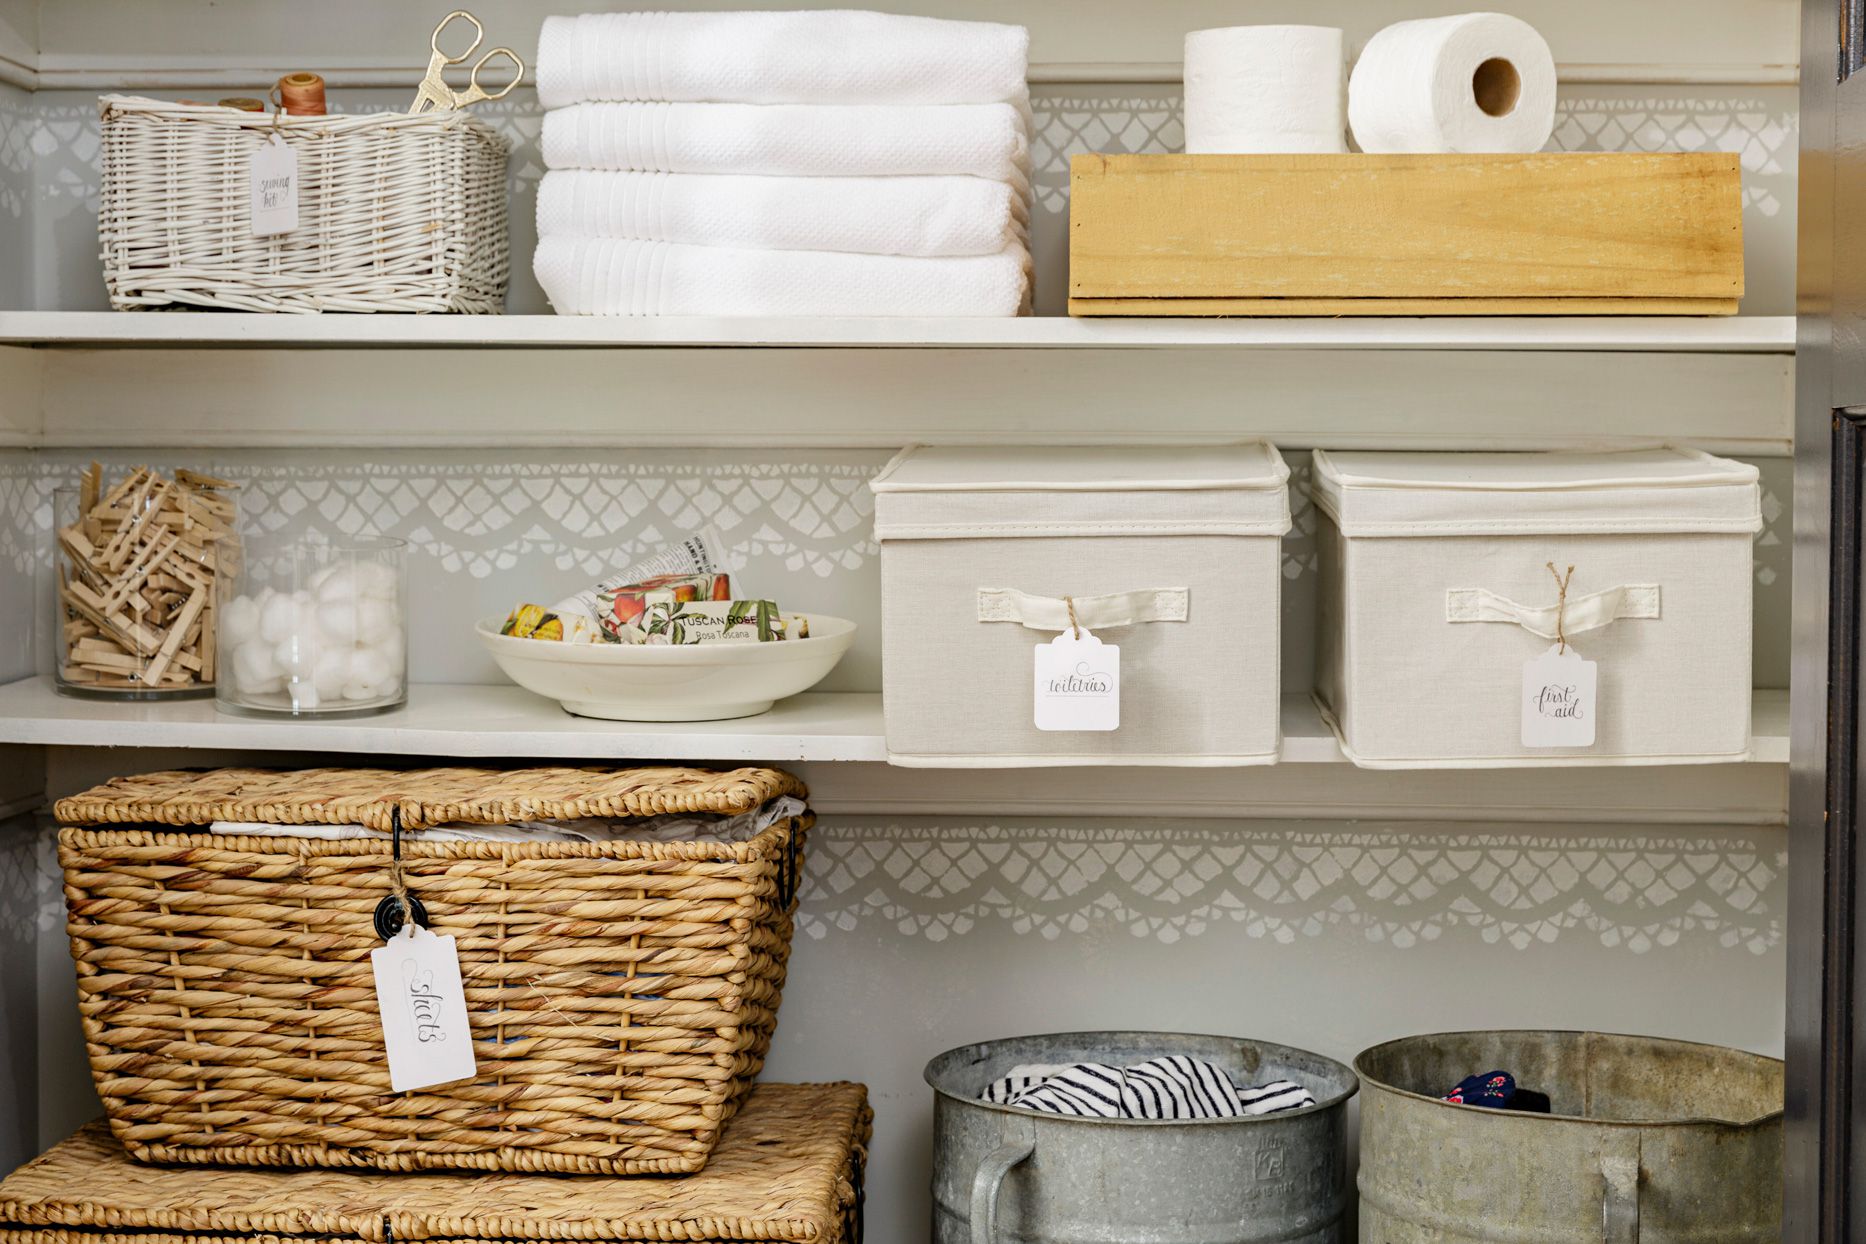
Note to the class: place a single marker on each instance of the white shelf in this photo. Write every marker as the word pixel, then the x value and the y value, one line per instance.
pixel 505 721
pixel 452 720
pixel 214 330
pixel 192 382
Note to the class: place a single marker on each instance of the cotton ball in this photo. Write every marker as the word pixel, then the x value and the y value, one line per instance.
pixel 276 617
pixel 339 584
pixel 337 620
pixel 239 621
pixel 322 577
pixel 297 653
pixel 374 579
pixel 374 619
pixel 331 672
pixel 395 651
pixel 370 666
pixel 304 695
pixel 360 691
pixel 253 666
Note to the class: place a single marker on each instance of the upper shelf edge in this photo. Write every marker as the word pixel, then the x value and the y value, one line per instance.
pixel 215 330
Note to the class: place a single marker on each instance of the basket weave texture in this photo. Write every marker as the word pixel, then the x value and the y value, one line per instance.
pixel 789 1170
pixel 621 995
pixel 395 212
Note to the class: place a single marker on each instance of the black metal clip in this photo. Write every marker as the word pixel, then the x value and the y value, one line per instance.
pixel 389 914
pixel 790 868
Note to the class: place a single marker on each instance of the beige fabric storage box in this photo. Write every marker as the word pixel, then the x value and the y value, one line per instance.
pixel 1436 591
pixel 1171 554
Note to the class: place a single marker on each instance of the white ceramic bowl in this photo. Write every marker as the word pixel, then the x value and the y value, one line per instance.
pixel 670 682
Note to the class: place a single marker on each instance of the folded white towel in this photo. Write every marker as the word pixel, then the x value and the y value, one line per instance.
pixel 869 215
pixel 602 276
pixel 824 57
pixel 800 140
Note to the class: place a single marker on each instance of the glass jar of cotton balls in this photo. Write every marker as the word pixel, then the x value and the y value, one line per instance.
pixel 315 627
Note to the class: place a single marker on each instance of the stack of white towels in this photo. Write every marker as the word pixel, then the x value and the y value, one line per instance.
pixel 784 164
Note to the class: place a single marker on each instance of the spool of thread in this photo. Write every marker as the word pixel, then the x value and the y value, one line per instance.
pixel 245 103
pixel 1264 89
pixel 302 95
pixel 1477 82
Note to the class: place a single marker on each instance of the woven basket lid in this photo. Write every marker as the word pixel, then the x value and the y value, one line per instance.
pixel 783 1173
pixel 424 797
pixel 327 128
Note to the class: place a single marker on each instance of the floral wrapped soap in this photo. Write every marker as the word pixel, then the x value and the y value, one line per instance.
pixel 669 620
pixel 537 622
pixel 621 607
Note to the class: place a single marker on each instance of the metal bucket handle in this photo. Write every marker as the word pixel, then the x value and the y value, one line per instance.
pixel 990 1178
pixel 1619 1206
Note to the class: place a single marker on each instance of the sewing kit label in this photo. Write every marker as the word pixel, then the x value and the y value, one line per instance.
pixel 1078 683
pixel 1559 699
pixel 275 188
pixel 424 1019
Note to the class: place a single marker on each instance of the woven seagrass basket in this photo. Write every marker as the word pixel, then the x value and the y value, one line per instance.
pixel 621 994
pixel 396 212
pixel 789 1172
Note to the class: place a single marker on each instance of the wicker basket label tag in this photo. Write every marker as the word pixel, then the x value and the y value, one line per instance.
pixel 424 1019
pixel 275 188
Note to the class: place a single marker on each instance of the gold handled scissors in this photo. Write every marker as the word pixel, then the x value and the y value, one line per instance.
pixel 436 94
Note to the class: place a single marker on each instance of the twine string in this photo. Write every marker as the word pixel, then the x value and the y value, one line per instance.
pixel 1561 608
pixel 1075 630
pixel 398 884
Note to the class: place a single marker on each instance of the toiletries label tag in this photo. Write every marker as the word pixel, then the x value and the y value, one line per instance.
pixel 275 188
pixel 1558 699
pixel 1078 683
pixel 424 1019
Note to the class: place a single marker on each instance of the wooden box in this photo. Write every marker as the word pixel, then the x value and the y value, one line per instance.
pixel 1570 233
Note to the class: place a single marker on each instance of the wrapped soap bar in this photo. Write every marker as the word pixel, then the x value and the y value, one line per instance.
pixel 624 605
pixel 701 554
pixel 537 622
pixel 668 620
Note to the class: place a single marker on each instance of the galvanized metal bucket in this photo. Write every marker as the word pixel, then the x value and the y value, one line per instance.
pixel 1649 1142
pixel 1006 1174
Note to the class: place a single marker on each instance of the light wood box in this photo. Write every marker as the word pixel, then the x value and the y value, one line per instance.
pixel 1570 233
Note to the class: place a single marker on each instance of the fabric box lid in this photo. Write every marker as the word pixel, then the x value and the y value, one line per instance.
pixel 970 492
pixel 1456 494
pixel 785 1172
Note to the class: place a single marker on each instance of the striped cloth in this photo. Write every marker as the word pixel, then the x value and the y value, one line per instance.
pixel 1175 1087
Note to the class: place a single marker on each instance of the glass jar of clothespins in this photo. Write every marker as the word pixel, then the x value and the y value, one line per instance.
pixel 137 559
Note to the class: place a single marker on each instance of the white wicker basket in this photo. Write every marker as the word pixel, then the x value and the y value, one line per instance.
pixel 395 212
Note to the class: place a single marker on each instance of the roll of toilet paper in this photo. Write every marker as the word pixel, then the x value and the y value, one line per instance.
pixel 1252 89
pixel 1472 83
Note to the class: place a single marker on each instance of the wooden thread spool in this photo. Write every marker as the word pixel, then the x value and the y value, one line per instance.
pixel 302 95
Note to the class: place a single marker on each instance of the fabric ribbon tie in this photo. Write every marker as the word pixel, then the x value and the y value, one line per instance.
pixel 1569 616
pixel 1076 613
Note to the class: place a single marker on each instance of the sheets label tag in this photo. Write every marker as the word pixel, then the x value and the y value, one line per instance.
pixel 1559 701
pixel 424 1018
pixel 275 188
pixel 1078 683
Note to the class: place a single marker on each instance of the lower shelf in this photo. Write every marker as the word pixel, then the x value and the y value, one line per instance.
pixel 480 721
